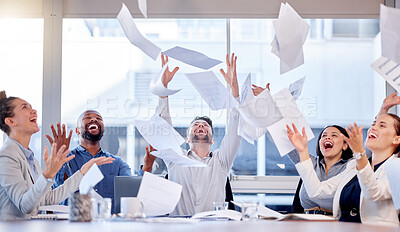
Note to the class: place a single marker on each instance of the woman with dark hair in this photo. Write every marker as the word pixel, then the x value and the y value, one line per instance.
pixel 361 192
pixel 332 155
pixel 23 185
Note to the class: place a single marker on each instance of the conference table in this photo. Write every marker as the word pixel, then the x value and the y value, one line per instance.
pixel 202 226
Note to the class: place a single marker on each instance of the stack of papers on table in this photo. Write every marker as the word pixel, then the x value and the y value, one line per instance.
pixel 267 213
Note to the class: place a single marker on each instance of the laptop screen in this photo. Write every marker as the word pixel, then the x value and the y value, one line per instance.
pixel 125 186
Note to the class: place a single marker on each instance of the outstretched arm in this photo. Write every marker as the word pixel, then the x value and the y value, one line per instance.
pixel 299 141
pixel 168 75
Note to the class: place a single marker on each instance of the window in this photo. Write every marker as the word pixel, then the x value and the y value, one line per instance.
pixel 21 59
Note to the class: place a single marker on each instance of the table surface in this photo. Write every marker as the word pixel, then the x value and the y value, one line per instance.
pixel 203 226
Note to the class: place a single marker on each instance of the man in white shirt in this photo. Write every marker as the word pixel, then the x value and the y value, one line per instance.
pixel 202 185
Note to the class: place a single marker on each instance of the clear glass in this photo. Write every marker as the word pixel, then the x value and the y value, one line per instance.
pixel 220 205
pixel 21 72
pixel 340 87
pixel 101 70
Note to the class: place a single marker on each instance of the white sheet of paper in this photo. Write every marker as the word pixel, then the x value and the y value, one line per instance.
pixel 265 212
pixel 212 90
pixel 158 88
pixel 296 87
pixel 160 134
pixel 133 34
pixel 158 195
pixel 182 160
pixel 245 130
pixel 191 57
pixel 143 7
pixel 290 34
pixel 392 173
pixel 390 32
pixel 90 179
pixel 291 114
pixel 389 70
pixel 261 111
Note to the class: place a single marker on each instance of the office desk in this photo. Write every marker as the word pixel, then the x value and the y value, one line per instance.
pixel 205 226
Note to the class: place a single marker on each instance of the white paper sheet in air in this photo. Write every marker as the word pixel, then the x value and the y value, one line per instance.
pixel 296 87
pixel 158 195
pixel 291 114
pixel 390 32
pixel 133 34
pixel 143 7
pixel 212 90
pixel 261 111
pixel 191 57
pixel 389 70
pixel 158 88
pixel 290 34
pixel 181 160
pixel 161 135
pixel 90 179
pixel 392 173
pixel 245 130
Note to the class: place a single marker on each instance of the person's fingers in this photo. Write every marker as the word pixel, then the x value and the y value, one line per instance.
pixel 295 129
pixel 147 150
pixel 227 60
pixel 361 129
pixel 69 136
pixel 46 154
pixel 68 158
pixel 53 130
pixel 268 86
pixel 63 131
pixel 59 129
pixel 222 72
pixel 60 151
pixel 174 71
pixel 232 58
pixel 49 138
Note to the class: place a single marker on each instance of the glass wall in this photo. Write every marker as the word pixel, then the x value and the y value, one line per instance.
pixel 21 66
pixel 103 71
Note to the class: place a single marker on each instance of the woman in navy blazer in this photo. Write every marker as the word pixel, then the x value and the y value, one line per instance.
pixel 23 185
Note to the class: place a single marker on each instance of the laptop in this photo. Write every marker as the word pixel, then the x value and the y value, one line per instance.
pixel 125 186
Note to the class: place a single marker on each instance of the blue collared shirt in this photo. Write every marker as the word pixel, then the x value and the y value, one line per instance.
pixel 106 186
pixel 31 159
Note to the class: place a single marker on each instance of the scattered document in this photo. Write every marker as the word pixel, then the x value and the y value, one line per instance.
pixel 57 216
pixel 171 220
pixel 135 37
pixel 54 208
pixel 290 34
pixel 390 32
pixel 291 114
pixel 389 70
pixel 393 172
pixel 219 214
pixel 158 88
pixel 212 90
pixel 143 7
pixel 90 179
pixel 160 134
pixel 261 111
pixel 245 130
pixel 170 155
pixel 191 57
pixel 159 195
pixel 296 87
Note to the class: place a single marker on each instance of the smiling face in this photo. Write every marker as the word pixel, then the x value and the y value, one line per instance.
pixel 332 144
pixel 24 119
pixel 90 126
pixel 200 132
pixel 382 135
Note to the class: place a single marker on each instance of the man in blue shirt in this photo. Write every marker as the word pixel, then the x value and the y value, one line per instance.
pixel 90 129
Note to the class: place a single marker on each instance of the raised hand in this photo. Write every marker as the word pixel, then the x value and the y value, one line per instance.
pixel 167 76
pixel 148 159
pixel 299 141
pixel 257 89
pixel 99 161
pixel 389 102
pixel 355 139
pixel 230 74
pixel 57 159
pixel 59 137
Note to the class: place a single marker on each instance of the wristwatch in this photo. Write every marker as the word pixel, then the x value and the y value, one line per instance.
pixel 358 156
